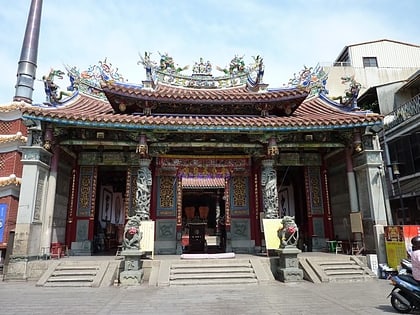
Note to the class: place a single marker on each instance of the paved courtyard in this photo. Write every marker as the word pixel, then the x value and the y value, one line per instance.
pixel 270 298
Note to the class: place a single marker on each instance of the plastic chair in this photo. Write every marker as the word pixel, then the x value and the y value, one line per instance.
pixel 356 248
pixel 119 250
pixel 339 247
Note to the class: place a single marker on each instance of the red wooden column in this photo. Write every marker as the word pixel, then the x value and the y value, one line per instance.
pixel 254 203
pixel 83 201
pixel 91 233
pixel 308 203
pixel 329 227
pixel 317 200
pixel 71 212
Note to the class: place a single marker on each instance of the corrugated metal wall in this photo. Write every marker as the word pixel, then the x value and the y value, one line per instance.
pixel 389 54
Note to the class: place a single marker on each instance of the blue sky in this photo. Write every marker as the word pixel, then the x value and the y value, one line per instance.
pixel 287 33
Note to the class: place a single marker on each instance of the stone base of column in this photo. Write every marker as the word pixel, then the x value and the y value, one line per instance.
pixel 288 267
pixel 131 277
pixel 133 273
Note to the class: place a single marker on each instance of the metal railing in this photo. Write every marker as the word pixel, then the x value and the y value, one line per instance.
pixel 403 112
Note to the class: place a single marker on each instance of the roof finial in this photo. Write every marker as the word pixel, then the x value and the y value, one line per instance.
pixel 29 55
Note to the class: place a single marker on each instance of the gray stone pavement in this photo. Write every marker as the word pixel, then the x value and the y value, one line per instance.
pixel 270 298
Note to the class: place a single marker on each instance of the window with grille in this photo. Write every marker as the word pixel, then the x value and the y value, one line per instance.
pixel 405 151
pixel 370 62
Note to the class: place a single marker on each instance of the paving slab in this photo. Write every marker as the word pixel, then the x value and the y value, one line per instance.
pixel 272 297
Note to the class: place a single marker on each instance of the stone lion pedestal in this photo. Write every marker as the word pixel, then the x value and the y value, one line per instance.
pixel 133 272
pixel 288 268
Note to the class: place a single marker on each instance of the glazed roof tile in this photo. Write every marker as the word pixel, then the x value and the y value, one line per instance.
pixel 11 180
pixel 165 92
pixel 10 138
pixel 312 114
pixel 169 99
pixel 194 182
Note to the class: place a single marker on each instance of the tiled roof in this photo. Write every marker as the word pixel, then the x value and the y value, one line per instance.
pixel 10 138
pixel 125 98
pixel 170 93
pixel 12 106
pixel 195 182
pixel 312 114
pixel 11 180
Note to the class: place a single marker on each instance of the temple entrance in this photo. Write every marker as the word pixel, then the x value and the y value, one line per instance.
pixel 109 214
pixel 203 212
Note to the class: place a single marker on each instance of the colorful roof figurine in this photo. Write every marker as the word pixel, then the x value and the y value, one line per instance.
pixel 167 91
pixel 238 100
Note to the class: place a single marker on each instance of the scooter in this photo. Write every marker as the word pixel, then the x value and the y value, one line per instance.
pixel 405 296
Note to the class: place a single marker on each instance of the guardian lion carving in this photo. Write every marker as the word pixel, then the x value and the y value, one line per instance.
pixel 288 232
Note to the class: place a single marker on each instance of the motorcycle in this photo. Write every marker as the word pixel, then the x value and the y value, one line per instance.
pixel 405 296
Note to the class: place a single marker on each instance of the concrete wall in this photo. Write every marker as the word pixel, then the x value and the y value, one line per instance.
pixel 367 77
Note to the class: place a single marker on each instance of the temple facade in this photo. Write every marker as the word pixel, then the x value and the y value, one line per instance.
pixel 189 148
pixel 223 151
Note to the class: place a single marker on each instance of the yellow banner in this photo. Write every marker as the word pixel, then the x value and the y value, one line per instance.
pixel 395 251
pixel 271 226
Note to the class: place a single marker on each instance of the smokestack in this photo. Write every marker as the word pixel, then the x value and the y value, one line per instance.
pixel 29 55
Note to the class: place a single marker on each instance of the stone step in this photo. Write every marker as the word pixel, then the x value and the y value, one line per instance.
pixel 77 273
pixel 210 266
pixel 78 263
pixel 68 284
pixel 340 267
pixel 71 267
pixel 337 263
pixel 211 270
pixel 212 262
pixel 71 279
pixel 71 272
pixel 344 272
pixel 349 278
pixel 242 281
pixel 213 276
pixel 192 272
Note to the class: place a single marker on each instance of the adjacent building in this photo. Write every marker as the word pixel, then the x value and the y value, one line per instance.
pixel 387 73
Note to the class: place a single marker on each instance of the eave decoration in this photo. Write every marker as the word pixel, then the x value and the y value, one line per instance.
pixel 312 78
pixel 239 90
pixel 235 74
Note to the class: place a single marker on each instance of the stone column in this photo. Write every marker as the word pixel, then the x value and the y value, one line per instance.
pixel 144 185
pixel 50 201
pixel 367 165
pixel 32 202
pixel 269 190
pixel 354 202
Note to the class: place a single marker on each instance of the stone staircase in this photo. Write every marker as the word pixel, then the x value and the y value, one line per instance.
pixel 213 271
pixel 335 268
pixel 62 273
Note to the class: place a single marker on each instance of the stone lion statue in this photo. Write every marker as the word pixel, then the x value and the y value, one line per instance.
pixel 132 234
pixel 288 232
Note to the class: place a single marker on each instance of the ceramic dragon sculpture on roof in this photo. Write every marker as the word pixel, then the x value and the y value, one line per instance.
pixel 351 94
pixel 312 78
pixel 53 92
pixel 235 74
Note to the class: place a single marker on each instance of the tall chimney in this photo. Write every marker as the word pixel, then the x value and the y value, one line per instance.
pixel 29 55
